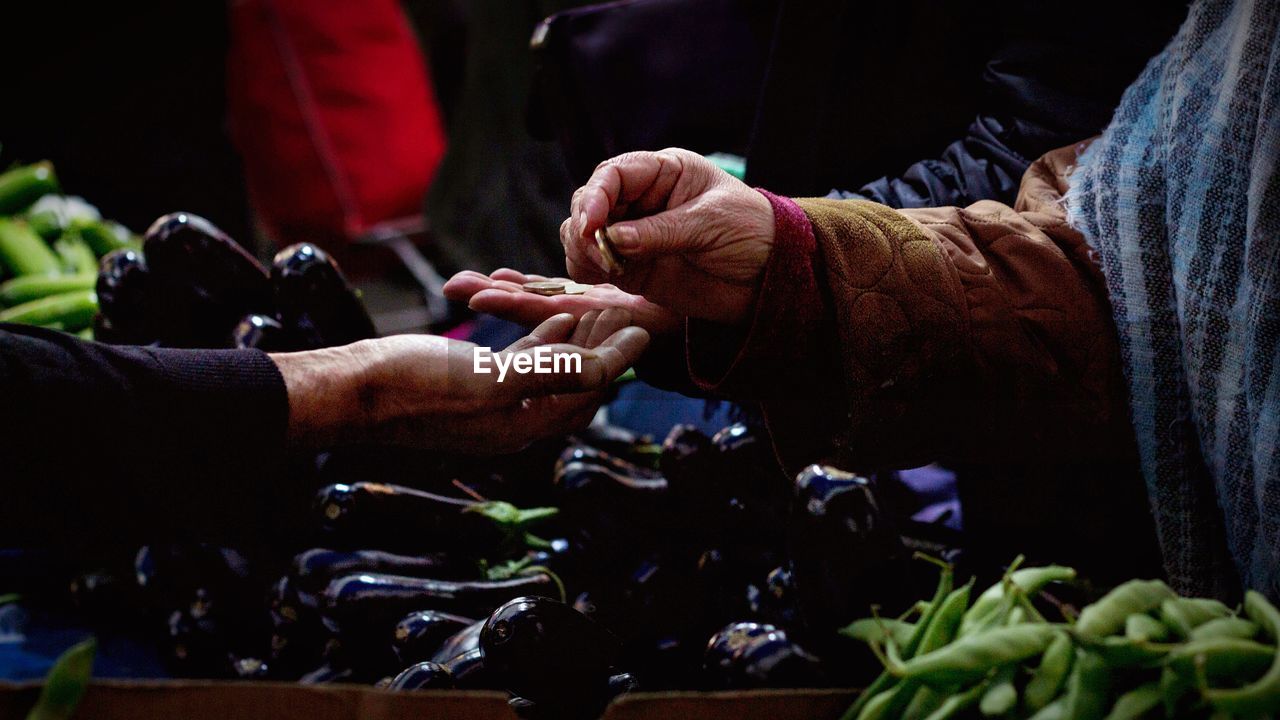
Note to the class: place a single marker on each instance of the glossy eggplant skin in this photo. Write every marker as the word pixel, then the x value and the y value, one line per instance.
pixel 125 298
pixel 368 599
pixel 610 508
pixel 717 660
pixel 316 302
pixel 460 643
pixel 204 282
pixel 774 661
pixel 544 650
pixel 470 672
pixel 262 332
pixel 419 635
pixel 313 569
pixel 423 676
pixel 775 599
pixel 846 553
pixel 755 655
pixel 397 518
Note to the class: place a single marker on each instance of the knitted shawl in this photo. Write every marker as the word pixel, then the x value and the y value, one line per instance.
pixel 1181 201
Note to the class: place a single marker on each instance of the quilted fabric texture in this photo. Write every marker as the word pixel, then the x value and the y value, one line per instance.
pixel 968 333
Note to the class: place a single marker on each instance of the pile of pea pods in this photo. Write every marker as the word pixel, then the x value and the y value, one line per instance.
pixel 1140 651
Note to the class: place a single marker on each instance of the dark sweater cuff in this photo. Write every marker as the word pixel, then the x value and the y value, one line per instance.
pixel 784 322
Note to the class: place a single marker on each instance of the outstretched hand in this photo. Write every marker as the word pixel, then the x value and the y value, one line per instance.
pixel 500 293
pixel 424 391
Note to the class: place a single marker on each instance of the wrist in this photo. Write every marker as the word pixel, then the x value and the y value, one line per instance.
pixel 330 394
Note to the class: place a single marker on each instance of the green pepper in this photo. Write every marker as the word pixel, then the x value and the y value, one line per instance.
pixel 23 252
pixel 24 185
pixel 72 310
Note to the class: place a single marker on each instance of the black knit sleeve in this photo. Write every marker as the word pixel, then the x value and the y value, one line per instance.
pixel 118 444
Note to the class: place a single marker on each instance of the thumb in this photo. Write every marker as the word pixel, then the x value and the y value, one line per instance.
pixel 595 370
pixel 671 232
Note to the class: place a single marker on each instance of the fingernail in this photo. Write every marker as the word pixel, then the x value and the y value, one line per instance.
pixel 624 237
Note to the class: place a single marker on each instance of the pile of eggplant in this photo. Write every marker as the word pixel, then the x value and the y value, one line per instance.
pixel 565 575
pixel 192 286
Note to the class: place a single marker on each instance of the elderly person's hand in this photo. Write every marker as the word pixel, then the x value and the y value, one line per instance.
pixel 694 238
pixel 501 293
pixel 423 391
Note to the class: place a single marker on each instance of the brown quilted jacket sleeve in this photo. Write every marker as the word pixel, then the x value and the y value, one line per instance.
pixel 973 333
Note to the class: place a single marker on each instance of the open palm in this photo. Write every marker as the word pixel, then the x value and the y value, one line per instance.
pixel 500 293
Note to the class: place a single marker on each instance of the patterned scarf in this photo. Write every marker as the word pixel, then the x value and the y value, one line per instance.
pixel 1181 200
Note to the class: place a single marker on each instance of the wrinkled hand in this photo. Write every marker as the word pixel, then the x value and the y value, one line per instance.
pixel 695 238
pixel 500 293
pixel 422 390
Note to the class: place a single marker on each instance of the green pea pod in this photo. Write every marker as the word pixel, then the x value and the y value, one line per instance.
pixel 1107 615
pixel 971 657
pixel 66 682
pixel 877 707
pixel 72 310
pixel 1030 580
pixel 1217 658
pixel 1262 696
pixel 1226 627
pixel 1052 672
pixel 1139 702
pixel 33 287
pixel 958 703
pixel 1173 687
pixel 924 702
pixel 1121 652
pixel 24 185
pixel 887 680
pixel 1141 627
pixel 23 252
pixel 942 627
pixel 1088 687
pixel 874 630
pixel 1056 710
pixel 76 255
pixel 1001 697
pixel 1183 615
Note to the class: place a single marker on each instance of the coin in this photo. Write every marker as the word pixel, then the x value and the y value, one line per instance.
pixel 548 287
pixel 612 260
pixel 576 288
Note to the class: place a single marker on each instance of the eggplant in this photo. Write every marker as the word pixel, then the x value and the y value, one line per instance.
pixel 261 332
pixel 619 442
pixel 846 553
pixel 717 660
pixel 546 651
pixel 585 454
pixel 688 456
pixel 420 634
pixel 469 671
pixel 753 655
pixel 393 517
pixel 197 645
pixel 314 569
pixel 316 302
pixel 461 642
pixel 610 511
pixel 125 299
pixel 422 676
pixel 772 660
pixel 775 600
pixel 204 282
pixel 249 668
pixel 366 600
pixel 326 674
